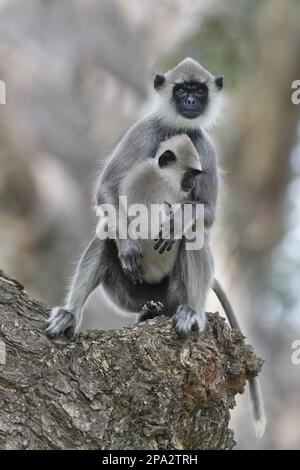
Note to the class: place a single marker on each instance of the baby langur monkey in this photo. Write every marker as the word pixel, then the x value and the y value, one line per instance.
pixel 157 185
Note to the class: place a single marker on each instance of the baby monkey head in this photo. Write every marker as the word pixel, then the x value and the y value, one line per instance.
pixel 179 162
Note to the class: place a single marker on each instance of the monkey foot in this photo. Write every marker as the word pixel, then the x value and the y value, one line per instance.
pixel 151 310
pixel 60 322
pixel 186 320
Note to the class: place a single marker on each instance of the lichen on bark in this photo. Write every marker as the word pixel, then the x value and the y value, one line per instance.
pixel 138 387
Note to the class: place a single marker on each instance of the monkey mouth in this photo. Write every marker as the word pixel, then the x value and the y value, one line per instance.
pixel 191 113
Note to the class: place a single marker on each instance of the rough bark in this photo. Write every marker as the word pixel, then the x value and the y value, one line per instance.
pixel 139 387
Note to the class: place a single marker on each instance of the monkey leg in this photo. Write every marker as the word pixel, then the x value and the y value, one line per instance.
pixel 196 269
pixel 89 273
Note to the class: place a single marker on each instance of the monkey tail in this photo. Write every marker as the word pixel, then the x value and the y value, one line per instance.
pixel 257 407
pixel 256 399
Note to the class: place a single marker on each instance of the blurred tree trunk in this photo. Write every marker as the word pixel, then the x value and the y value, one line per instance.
pixel 134 388
pixel 258 158
pixel 258 163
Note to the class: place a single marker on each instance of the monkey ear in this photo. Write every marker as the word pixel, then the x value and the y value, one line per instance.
pixel 158 81
pixel 219 82
pixel 166 158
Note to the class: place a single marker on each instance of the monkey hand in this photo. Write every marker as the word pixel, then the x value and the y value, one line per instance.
pixel 130 255
pixel 61 322
pixel 166 238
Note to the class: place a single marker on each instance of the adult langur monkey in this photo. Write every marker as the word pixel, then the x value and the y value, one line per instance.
pixel 189 97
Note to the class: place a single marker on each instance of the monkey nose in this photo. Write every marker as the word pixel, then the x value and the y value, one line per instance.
pixel 190 101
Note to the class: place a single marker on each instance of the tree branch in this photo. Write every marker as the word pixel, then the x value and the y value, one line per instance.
pixel 139 387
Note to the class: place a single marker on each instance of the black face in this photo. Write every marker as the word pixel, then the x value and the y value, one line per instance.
pixel 166 158
pixel 191 98
pixel 189 179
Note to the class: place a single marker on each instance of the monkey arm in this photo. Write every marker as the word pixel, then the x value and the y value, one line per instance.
pixel 111 177
pixel 129 250
pixel 206 187
pixel 138 144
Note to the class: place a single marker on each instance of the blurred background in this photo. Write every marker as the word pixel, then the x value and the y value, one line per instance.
pixel 78 73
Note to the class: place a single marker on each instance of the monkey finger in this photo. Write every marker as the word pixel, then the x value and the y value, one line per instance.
pixel 160 233
pixel 170 245
pixel 157 245
pixel 161 242
pixel 164 233
pixel 163 247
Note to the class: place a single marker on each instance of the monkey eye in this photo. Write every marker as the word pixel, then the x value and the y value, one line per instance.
pixel 180 92
pixel 200 92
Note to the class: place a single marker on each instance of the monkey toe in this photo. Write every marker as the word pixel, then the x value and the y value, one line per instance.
pixel 162 245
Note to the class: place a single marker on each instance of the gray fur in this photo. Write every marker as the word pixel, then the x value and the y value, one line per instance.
pixel 116 264
pixel 189 70
pixel 148 184
pixel 87 276
pixel 103 260
pixel 186 320
pixel 256 399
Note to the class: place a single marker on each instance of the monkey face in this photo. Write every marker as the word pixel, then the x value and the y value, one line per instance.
pixel 191 98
